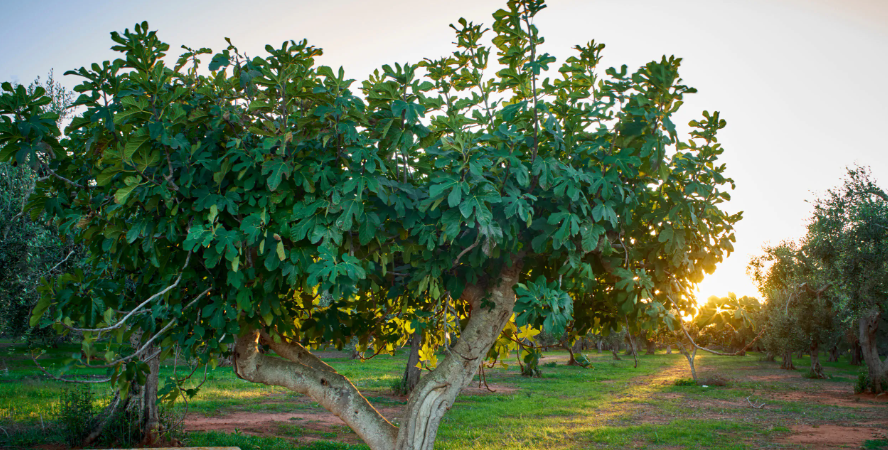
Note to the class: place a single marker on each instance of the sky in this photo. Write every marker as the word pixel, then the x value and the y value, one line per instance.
pixel 800 82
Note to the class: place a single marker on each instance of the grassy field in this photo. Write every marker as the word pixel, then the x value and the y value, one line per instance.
pixel 611 405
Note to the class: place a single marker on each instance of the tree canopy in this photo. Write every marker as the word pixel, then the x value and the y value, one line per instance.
pixel 276 200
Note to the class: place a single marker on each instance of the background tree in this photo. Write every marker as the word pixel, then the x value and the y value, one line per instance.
pixel 701 331
pixel 232 203
pixel 803 311
pixel 848 234
pixel 29 248
pixel 730 332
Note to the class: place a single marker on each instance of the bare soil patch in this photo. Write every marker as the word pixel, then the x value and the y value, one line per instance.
pixel 314 422
pixel 833 397
pixel 829 436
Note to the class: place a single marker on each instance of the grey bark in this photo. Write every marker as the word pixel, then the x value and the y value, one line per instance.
pixel 876 366
pixel 690 354
pixel 437 391
pixel 856 354
pixel 151 429
pixel 650 344
pixel 433 395
pixel 834 354
pixel 300 371
pixel 786 364
pixel 816 368
pixel 411 372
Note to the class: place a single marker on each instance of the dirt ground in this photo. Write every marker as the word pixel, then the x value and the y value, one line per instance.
pixel 314 423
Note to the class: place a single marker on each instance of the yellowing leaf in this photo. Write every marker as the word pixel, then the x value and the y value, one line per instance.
pixel 282 254
pixel 526 332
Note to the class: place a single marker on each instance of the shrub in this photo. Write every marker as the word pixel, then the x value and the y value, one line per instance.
pixel 76 416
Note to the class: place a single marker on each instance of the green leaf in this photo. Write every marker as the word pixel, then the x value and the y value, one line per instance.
pixel 132 146
pixel 276 170
pixel 121 195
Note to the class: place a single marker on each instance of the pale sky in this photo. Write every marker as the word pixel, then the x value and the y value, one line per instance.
pixel 800 82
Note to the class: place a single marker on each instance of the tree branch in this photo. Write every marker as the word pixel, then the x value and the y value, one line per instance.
pixel 332 391
pixel 142 305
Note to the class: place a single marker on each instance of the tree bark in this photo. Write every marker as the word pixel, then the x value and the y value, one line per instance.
pixel 770 356
pixel 787 361
pixel 651 347
pixel 816 368
pixel 668 349
pixel 433 395
pixel 437 391
pixel 834 354
pixel 689 355
pixel 616 356
pixel 300 371
pixel 876 366
pixel 649 344
pixel 411 372
pixel 150 413
pixel 856 354
pixel 571 361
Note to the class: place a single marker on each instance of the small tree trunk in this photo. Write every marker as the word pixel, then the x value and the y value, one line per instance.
pixel 801 354
pixel 834 354
pixel 411 372
pixel 787 361
pixel 770 356
pixel 689 355
pixel 816 368
pixel 150 413
pixel 668 349
pixel 572 361
pixel 856 354
pixel 651 347
pixel 437 391
pixel 598 345
pixel 616 356
pixel 877 368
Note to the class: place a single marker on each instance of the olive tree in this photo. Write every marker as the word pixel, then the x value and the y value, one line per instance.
pixel 803 310
pixel 269 202
pixel 848 234
pixel 29 248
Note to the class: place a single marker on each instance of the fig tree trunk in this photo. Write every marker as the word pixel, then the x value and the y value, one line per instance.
pixel 690 355
pixel 434 394
pixel 571 361
pixel 876 366
pixel 651 347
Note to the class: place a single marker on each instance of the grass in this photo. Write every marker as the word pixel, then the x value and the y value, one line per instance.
pixel 610 405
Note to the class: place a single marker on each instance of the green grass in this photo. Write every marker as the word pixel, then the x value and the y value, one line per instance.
pixel 610 405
